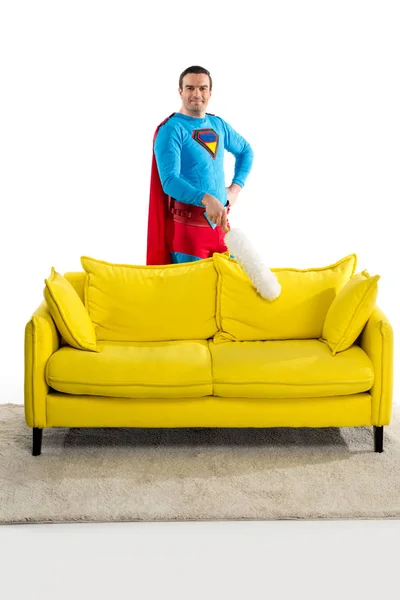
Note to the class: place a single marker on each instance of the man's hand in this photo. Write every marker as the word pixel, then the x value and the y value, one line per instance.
pixel 215 210
pixel 232 193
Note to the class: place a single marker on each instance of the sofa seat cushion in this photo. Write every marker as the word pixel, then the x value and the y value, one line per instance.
pixel 288 369
pixel 134 370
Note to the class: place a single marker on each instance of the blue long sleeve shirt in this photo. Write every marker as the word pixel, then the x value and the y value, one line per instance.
pixel 189 153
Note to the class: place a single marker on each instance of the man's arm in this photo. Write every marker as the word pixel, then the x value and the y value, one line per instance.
pixel 242 151
pixel 232 193
pixel 167 150
pixel 244 156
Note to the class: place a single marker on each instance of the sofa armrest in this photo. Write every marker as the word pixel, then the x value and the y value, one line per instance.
pixel 42 339
pixel 377 341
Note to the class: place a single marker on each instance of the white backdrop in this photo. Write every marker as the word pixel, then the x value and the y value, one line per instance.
pixel 312 85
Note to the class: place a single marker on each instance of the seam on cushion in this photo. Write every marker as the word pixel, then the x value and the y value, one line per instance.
pixel 113 384
pixel 360 306
pixel 88 285
pixel 63 318
pixel 221 303
pixel 225 331
pixel 354 266
pixel 309 384
pixel 382 363
pixel 218 312
pixel 85 291
pixel 221 283
pixel 212 367
pixel 33 367
pixel 34 363
pixel 86 302
pixel 326 268
pixel 141 267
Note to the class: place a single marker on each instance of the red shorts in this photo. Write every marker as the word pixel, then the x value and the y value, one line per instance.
pixel 187 243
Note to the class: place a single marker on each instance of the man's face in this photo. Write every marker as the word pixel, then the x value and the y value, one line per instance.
pixel 195 94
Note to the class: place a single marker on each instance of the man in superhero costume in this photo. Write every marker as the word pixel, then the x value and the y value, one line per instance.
pixel 189 202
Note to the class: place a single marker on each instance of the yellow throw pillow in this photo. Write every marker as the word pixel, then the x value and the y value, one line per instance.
pixel 69 314
pixel 135 303
pixel 350 311
pixel 298 313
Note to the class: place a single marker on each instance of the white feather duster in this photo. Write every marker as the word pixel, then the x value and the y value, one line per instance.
pixel 262 277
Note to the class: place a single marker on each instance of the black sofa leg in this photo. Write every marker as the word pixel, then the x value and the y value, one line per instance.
pixel 378 434
pixel 37 441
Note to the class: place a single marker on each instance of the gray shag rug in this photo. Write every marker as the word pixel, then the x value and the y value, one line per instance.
pixel 104 475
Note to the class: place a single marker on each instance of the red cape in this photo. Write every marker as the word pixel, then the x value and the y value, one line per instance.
pixel 157 249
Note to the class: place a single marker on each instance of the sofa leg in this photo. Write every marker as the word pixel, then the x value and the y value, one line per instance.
pixel 378 434
pixel 37 441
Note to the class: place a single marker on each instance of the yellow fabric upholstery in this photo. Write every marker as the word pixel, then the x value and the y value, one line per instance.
pixel 64 410
pixel 349 311
pixel 77 279
pixel 136 370
pixel 288 369
pixel 41 341
pixel 377 342
pixel 151 303
pixel 69 314
pixel 277 369
pixel 195 382
pixel 298 313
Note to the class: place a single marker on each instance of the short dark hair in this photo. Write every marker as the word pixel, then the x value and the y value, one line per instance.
pixel 197 70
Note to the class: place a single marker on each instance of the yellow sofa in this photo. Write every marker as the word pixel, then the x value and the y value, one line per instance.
pixel 194 345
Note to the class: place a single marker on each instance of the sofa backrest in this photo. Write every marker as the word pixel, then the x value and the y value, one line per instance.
pixel 298 313
pixel 135 303
pixel 200 300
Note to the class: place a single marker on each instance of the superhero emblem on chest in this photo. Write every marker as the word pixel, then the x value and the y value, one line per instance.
pixel 208 139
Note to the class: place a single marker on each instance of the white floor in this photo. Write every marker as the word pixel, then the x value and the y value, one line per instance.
pixel 275 560
pixel 195 561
